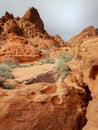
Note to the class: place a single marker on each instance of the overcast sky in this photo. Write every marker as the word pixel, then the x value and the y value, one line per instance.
pixel 63 17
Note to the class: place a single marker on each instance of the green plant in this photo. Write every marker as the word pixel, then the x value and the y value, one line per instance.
pixel 26 65
pixel 8 86
pixel 11 63
pixel 61 65
pixel 5 72
pixel 66 57
pixel 4 67
pixel 7 75
pixel 62 68
pixel 46 60
pixel 2 81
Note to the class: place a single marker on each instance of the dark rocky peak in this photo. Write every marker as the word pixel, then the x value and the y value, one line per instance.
pixel 33 16
pixel 7 16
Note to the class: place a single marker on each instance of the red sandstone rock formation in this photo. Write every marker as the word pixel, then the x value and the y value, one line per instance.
pixel 85 70
pixel 30 30
pixel 59 40
pixel 86 34
pixel 41 104
pixel 18 49
pixel 32 15
pixel 48 107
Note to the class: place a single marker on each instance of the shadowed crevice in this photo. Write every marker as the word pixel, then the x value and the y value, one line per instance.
pixel 94 72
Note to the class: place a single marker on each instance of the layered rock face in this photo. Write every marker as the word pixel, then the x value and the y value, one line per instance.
pixel 18 49
pixel 29 30
pixel 40 100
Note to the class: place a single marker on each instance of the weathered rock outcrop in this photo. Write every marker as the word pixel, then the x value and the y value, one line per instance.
pixel 85 70
pixel 18 49
pixel 59 40
pixel 11 26
pixel 43 107
pixel 89 57
pixel 29 29
pixel 87 34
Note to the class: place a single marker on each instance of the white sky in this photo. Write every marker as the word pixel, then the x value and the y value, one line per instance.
pixel 63 17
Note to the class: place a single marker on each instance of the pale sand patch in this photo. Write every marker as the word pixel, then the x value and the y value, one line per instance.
pixel 25 73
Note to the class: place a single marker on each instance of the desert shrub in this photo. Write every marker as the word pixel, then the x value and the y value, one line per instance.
pixel 8 86
pixel 7 75
pixel 4 67
pixel 61 65
pixel 62 68
pixel 66 57
pixel 5 72
pixel 46 60
pixel 11 63
pixel 26 65
pixel 2 81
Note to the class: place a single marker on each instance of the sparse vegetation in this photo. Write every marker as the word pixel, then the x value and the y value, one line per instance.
pixel 1 81
pixel 5 73
pixel 26 65
pixel 66 57
pixel 62 68
pixel 11 63
pixel 46 60
pixel 8 86
pixel 61 65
